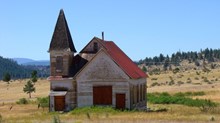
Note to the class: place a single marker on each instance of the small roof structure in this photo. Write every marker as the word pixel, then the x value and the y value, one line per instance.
pixel 61 39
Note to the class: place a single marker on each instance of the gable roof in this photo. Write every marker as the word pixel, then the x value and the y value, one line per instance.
pixel 123 61
pixel 93 39
pixel 61 39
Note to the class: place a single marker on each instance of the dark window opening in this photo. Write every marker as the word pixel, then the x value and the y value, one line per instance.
pixel 95 47
pixel 59 63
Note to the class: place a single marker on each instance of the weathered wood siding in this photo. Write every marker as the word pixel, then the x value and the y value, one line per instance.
pixel 102 71
pixel 90 47
pixel 68 85
pixel 138 92
pixel 66 59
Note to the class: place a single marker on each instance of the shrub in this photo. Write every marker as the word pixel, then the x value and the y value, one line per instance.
pixel 176 70
pixel 171 82
pixel 22 101
pixel 205 79
pixel 180 98
pixel 198 73
pixel 212 119
pixel 155 84
pixel 43 102
pixel 181 94
pixel 196 78
pixel 154 79
pixel 180 82
pixel 189 80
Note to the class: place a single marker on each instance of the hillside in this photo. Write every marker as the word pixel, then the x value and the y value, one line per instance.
pixel 11 67
pixel 26 61
pixel 22 60
pixel 20 71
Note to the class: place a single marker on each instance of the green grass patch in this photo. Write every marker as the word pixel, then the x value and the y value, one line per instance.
pixel 96 109
pixel 199 93
pixel 181 98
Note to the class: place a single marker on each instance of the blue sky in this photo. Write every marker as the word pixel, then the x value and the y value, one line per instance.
pixel 141 28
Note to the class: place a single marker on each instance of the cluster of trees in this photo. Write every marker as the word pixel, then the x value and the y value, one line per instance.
pixel 11 67
pixel 211 55
pixel 17 71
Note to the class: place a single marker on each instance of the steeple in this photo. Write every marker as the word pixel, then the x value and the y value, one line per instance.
pixel 61 39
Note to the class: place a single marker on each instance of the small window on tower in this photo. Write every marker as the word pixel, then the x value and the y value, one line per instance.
pixel 59 63
pixel 95 47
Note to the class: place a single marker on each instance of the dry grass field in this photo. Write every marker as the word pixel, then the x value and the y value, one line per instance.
pixel 192 81
pixel 188 81
pixel 14 91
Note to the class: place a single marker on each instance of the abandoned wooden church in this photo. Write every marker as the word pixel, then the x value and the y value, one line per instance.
pixel 100 74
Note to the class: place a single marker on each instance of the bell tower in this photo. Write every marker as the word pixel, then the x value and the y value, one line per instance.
pixel 61 48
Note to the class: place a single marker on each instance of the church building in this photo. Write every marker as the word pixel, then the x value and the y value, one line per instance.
pixel 100 74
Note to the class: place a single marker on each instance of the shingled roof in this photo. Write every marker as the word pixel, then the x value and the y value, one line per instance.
pixel 61 39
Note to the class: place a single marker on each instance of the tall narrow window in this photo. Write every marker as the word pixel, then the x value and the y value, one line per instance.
pixel 95 47
pixel 144 92
pixel 59 63
pixel 141 93
pixel 137 93
pixel 134 99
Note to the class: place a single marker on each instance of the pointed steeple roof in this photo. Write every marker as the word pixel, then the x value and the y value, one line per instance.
pixel 61 39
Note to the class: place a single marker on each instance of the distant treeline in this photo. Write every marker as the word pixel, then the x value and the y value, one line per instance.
pixel 210 55
pixel 20 71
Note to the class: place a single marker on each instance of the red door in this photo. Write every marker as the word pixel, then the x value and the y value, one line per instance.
pixel 59 103
pixel 102 95
pixel 120 101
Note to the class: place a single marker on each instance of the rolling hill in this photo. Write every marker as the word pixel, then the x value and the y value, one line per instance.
pixel 18 71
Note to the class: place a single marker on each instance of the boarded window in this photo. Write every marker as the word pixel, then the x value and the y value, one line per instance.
pixel 141 93
pixel 137 93
pixel 144 92
pixel 59 64
pixel 95 47
pixel 134 96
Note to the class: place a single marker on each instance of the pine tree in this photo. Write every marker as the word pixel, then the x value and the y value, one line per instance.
pixel 166 64
pixel 34 76
pixel 29 88
pixel 161 58
pixel 7 77
pixel 144 69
